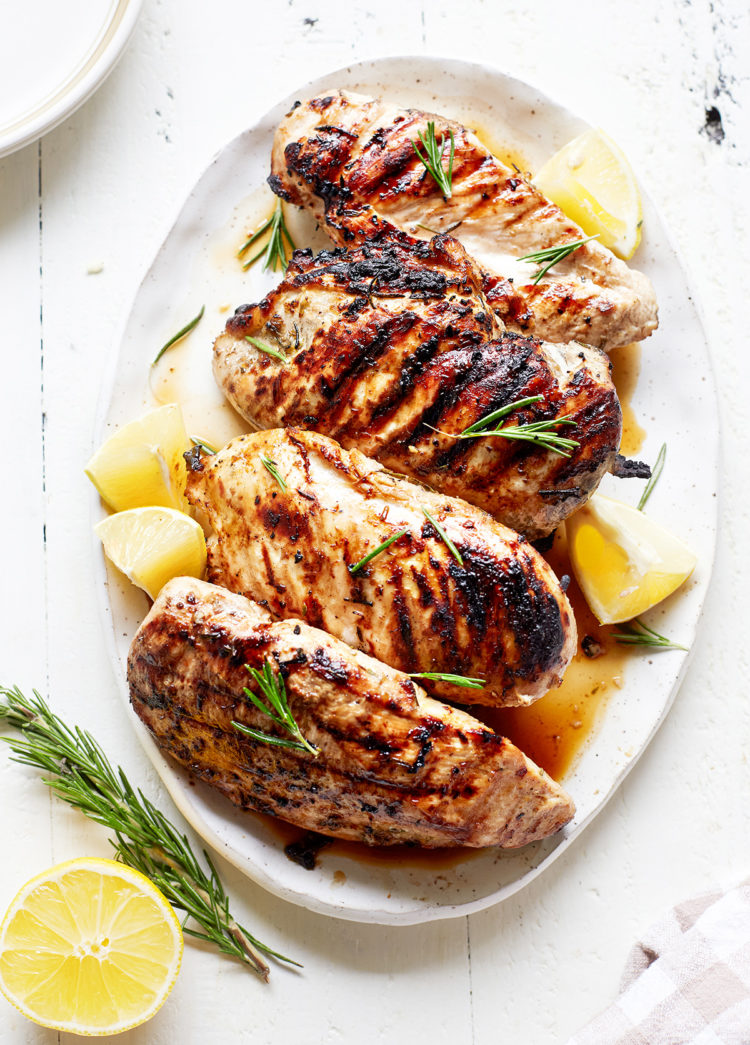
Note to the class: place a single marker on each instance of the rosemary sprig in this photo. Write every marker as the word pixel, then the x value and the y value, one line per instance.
pixel 542 433
pixel 272 468
pixel 276 707
pixel 655 473
pixel 553 255
pixel 644 637
pixel 275 249
pixel 376 551
pixel 455 680
pixel 80 774
pixel 203 445
pixel 451 546
pixel 180 334
pixel 263 347
pixel 498 415
pixel 433 158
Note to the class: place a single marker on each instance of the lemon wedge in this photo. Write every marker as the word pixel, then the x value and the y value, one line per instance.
pixel 152 545
pixel 142 463
pixel 89 946
pixel 623 560
pixel 592 182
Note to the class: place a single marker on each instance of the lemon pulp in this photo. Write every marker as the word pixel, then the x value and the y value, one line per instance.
pixel 592 182
pixel 90 946
pixel 152 545
pixel 624 562
pixel 142 463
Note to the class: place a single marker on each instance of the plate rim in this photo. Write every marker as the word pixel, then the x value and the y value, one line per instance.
pixel 172 776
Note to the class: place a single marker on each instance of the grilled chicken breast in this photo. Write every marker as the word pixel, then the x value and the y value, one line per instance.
pixel 393 349
pixel 393 766
pixel 351 160
pixel 498 614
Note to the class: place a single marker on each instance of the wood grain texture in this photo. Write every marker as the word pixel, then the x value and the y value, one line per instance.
pixel 669 84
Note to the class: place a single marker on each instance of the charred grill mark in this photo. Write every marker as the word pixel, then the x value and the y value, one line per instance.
pixel 443 618
pixel 500 373
pixel 535 619
pixel 393 269
pixel 345 352
pixel 476 596
pixel 269 568
pixel 403 620
pixel 329 669
pixel 452 373
pixel 318 160
pixel 304 458
pixel 411 368
pixel 426 594
pixel 276 185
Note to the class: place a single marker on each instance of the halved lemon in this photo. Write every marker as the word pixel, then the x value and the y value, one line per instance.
pixel 142 463
pixel 623 560
pixel 153 545
pixel 89 946
pixel 592 182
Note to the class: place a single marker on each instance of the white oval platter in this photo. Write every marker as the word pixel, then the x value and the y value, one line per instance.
pixel 75 47
pixel 197 265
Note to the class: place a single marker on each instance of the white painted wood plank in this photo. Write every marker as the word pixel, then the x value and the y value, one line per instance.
pixel 25 825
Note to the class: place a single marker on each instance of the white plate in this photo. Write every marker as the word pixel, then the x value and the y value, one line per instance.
pixel 53 56
pixel 675 393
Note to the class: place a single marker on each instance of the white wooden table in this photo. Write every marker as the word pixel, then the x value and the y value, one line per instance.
pixel 100 190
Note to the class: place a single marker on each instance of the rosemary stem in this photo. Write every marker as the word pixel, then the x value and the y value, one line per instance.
pixel 254 959
pixel 78 771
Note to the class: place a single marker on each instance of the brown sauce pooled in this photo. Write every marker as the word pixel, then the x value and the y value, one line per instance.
pixel 553 730
pixel 626 366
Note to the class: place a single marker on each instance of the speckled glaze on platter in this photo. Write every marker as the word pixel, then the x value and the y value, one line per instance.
pixel 197 265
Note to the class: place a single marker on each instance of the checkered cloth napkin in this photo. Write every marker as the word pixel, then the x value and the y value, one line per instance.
pixel 687 982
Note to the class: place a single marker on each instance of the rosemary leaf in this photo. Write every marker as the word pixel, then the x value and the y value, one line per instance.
pixel 254 236
pixel 81 775
pixel 433 158
pixel 438 232
pixel 263 347
pixel 498 415
pixel 275 704
pixel 455 680
pixel 553 255
pixel 655 473
pixel 203 445
pixel 542 433
pixel 639 634
pixel 268 738
pixel 451 546
pixel 180 334
pixel 376 551
pixel 272 468
pixel 275 249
